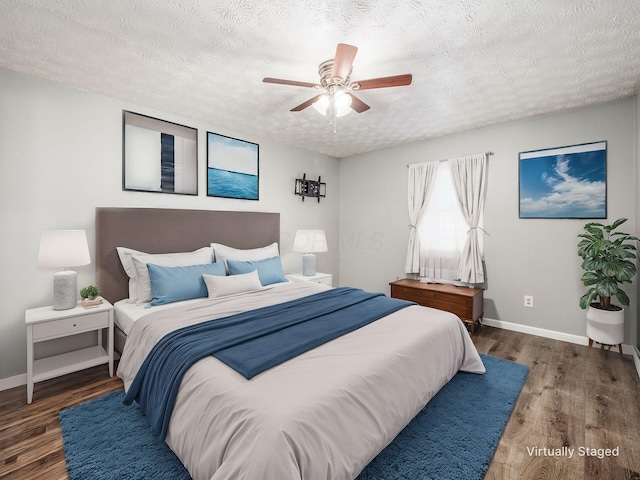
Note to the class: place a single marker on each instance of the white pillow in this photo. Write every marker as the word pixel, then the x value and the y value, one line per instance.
pixel 181 259
pixel 219 286
pixel 222 253
pixel 125 255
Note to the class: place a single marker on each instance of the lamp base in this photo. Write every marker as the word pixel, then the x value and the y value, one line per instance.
pixel 309 264
pixel 65 287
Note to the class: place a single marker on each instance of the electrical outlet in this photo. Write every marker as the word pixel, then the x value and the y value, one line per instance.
pixel 528 301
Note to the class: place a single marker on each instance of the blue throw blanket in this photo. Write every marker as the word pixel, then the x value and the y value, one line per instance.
pixel 251 342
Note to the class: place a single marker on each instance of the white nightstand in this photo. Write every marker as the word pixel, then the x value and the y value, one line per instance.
pixel 45 323
pixel 323 278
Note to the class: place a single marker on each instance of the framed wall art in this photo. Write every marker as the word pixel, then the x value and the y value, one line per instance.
pixel 232 167
pixel 158 156
pixel 564 182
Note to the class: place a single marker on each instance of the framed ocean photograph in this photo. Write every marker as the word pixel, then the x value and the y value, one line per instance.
pixel 158 156
pixel 564 182
pixel 232 167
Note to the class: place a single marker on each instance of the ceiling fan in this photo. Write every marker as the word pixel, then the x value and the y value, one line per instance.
pixel 335 79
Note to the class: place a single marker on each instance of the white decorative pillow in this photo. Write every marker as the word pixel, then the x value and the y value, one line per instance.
pixel 222 253
pixel 181 259
pixel 219 286
pixel 126 259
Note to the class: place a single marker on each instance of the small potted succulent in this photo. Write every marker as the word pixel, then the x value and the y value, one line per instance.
pixel 90 292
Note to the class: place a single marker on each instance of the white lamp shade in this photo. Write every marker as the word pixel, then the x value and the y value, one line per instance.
pixel 63 249
pixel 310 241
pixel 341 102
pixel 321 105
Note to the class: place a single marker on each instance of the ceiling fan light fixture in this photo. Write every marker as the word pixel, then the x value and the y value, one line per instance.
pixel 342 103
pixel 343 112
pixel 335 79
pixel 322 104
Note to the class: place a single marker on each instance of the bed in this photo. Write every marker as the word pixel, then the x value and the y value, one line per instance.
pixel 324 414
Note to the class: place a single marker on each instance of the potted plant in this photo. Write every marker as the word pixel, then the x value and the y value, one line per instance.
pixel 607 263
pixel 90 292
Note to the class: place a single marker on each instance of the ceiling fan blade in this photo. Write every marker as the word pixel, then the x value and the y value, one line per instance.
pixel 383 82
pixel 357 104
pixel 289 82
pixel 306 104
pixel 344 60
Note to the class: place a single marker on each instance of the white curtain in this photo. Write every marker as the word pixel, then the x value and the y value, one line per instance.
pixel 442 230
pixel 421 177
pixel 469 179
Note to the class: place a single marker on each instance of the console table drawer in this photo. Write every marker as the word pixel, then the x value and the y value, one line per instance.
pixel 460 309
pixel 70 326
pixel 427 294
pixel 463 311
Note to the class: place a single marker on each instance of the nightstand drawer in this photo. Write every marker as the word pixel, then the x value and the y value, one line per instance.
pixel 70 326
pixel 325 280
pixel 322 278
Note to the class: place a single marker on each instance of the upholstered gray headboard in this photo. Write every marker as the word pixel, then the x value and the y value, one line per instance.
pixel 163 230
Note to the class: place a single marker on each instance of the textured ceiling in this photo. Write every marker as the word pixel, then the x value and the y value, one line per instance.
pixel 474 62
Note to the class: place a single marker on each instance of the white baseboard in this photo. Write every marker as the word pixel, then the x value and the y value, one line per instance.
pixel 636 359
pixel 11 382
pixel 541 332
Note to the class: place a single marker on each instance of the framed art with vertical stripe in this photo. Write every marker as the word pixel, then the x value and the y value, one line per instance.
pixel 158 156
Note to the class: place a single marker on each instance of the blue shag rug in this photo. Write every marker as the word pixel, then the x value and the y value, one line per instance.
pixel 453 437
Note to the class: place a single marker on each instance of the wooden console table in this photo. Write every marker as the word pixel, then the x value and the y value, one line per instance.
pixel 465 302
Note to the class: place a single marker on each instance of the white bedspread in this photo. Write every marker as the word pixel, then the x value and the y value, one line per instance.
pixel 322 415
pixel 126 313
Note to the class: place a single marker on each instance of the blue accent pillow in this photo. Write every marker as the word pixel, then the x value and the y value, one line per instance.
pixel 269 270
pixel 172 284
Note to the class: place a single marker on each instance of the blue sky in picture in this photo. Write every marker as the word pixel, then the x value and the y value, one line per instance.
pixel 232 155
pixel 567 182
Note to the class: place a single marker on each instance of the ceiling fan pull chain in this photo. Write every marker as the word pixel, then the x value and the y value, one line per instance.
pixel 332 109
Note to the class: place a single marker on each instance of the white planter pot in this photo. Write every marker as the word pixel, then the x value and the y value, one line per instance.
pixel 605 326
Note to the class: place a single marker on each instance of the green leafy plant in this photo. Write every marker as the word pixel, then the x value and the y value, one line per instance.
pixel 90 291
pixel 606 261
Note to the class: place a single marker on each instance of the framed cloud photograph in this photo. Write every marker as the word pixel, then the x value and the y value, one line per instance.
pixel 158 156
pixel 232 167
pixel 564 182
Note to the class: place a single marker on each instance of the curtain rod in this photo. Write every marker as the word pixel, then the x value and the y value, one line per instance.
pixel 486 153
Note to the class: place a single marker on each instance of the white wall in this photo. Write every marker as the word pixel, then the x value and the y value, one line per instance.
pixel 61 156
pixel 523 257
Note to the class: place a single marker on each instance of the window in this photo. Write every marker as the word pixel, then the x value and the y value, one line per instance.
pixel 443 230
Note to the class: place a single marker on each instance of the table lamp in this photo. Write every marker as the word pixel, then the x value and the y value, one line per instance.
pixel 64 249
pixel 309 242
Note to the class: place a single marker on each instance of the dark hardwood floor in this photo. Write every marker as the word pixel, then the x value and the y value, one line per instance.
pixel 574 397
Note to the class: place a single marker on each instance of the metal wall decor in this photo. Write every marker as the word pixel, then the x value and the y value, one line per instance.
pixel 310 188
